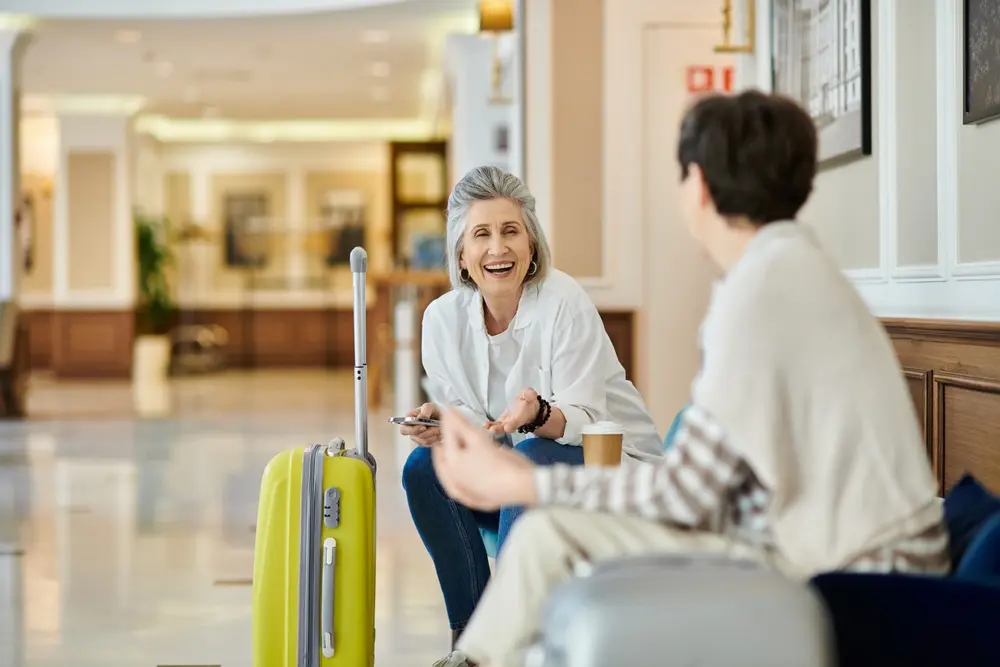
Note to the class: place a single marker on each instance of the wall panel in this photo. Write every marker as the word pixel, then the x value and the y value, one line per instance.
pixel 953 372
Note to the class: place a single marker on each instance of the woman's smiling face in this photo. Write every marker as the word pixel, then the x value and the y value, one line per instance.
pixel 496 249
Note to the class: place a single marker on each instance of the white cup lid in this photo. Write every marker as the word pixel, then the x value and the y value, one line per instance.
pixel 603 428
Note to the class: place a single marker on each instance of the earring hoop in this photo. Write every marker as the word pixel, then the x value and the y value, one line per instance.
pixel 464 275
pixel 532 268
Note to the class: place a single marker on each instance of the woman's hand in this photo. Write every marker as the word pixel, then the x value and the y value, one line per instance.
pixel 522 411
pixel 476 472
pixel 425 436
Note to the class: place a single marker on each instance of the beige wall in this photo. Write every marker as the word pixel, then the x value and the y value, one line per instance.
pixel 577 34
pixel 915 123
pixel 90 198
pixel 979 193
pixel 177 198
pixel 677 275
pixel 847 226
pixel 914 224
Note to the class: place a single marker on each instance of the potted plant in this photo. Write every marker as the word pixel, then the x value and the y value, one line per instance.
pixel 155 307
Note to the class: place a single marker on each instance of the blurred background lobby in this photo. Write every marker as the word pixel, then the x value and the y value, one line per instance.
pixel 181 182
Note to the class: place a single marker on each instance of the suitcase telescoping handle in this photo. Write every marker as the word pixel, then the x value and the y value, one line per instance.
pixel 359 269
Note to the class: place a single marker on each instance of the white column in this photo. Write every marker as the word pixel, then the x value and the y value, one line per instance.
pixel 515 77
pixel 14 37
pixel 296 228
pixel 535 29
pixel 81 133
pixel 408 371
pixel 475 120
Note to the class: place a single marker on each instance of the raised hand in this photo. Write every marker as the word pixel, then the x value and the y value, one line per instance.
pixel 478 473
pixel 522 411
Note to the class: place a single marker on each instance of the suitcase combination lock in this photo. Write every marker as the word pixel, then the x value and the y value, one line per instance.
pixel 331 507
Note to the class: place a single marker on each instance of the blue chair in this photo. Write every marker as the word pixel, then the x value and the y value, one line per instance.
pixel 490 540
pixel 675 427
pixel 921 621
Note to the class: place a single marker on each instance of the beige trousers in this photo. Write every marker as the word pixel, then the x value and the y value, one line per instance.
pixel 546 547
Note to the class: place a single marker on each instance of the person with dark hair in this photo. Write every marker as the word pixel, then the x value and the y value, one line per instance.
pixel 801 448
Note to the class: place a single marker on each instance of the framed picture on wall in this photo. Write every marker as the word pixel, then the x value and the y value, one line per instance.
pixel 821 57
pixel 245 236
pixel 343 216
pixel 981 55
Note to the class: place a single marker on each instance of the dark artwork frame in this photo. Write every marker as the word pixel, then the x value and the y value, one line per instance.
pixel 833 152
pixel 238 209
pixel 975 109
pixel 348 222
pixel 501 139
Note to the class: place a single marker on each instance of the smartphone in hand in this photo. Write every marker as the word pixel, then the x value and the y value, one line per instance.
pixel 414 421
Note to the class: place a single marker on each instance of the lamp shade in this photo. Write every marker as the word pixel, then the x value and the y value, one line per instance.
pixel 496 15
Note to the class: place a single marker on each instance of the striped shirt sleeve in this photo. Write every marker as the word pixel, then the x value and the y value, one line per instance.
pixel 690 486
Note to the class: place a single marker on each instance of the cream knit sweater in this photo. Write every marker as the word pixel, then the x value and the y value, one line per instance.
pixel 806 384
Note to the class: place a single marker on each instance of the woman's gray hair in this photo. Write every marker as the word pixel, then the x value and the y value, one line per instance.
pixel 483 184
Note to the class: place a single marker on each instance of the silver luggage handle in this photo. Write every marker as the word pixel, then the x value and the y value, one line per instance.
pixel 359 267
pixel 328 588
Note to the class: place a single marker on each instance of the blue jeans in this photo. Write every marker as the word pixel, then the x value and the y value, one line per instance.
pixel 450 531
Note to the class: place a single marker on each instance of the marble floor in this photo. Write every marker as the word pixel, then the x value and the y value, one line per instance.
pixel 136 535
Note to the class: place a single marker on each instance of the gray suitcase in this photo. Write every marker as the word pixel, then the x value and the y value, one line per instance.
pixel 660 611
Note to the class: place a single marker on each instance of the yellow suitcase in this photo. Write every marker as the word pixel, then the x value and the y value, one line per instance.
pixel 314 556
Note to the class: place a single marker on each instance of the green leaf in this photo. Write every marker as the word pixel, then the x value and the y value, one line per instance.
pixel 156 305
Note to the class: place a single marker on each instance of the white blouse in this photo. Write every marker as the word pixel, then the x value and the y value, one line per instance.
pixel 562 351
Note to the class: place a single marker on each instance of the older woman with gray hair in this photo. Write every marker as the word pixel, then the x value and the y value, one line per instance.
pixel 518 347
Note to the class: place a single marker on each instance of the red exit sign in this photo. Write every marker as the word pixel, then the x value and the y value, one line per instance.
pixel 709 79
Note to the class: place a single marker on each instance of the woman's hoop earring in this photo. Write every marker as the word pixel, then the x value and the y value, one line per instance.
pixel 533 268
pixel 464 275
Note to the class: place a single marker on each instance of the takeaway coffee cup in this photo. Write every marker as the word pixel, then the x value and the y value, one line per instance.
pixel 602 444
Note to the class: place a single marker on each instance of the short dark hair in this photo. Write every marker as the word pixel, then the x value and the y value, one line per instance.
pixel 757 152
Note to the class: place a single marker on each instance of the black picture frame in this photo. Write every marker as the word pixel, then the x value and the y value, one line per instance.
pixel 864 146
pixel 239 209
pixel 973 114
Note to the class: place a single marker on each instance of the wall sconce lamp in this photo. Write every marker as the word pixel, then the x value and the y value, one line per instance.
pixel 495 18
pixel 727 28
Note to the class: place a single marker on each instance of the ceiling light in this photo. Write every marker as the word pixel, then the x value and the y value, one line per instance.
pixel 381 70
pixel 375 37
pixel 380 93
pixel 128 36
pixel 164 68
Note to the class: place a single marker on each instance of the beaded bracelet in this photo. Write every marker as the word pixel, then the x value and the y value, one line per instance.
pixel 544 412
